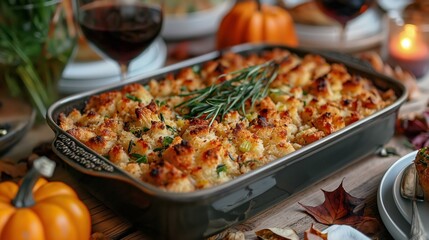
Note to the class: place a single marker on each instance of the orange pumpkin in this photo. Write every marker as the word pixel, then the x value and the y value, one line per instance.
pixel 42 210
pixel 251 21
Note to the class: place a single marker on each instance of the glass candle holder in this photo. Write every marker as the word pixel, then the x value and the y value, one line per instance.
pixel 407 44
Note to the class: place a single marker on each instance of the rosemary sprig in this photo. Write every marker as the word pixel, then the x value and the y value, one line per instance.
pixel 219 99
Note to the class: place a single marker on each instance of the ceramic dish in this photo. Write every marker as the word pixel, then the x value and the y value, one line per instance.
pixel 195 24
pixel 202 213
pixel 84 76
pixel 392 218
pixel 404 205
pixel 16 118
pixel 362 32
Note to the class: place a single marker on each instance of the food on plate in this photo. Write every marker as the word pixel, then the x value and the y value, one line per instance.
pixel 309 13
pixel 422 165
pixel 251 21
pixel 207 124
pixel 183 7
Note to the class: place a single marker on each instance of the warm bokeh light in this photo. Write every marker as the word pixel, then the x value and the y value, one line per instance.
pixel 408 37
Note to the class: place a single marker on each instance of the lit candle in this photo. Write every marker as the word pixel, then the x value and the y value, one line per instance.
pixel 409 51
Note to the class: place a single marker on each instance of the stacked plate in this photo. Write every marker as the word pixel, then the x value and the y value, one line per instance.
pixel 361 33
pixel 16 118
pixel 195 24
pixel 84 76
pixel 395 211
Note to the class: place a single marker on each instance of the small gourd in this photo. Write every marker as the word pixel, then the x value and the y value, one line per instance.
pixel 253 22
pixel 41 210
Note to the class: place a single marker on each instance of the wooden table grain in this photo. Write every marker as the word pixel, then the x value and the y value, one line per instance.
pixel 361 179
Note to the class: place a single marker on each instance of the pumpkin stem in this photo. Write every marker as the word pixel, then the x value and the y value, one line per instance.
pixel 41 167
pixel 259 5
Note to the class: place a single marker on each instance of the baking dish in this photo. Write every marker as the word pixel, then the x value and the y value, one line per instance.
pixel 202 213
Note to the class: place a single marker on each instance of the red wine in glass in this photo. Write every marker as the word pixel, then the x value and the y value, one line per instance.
pixel 343 11
pixel 121 30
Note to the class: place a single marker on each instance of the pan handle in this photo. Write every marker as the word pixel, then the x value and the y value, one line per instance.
pixel 79 158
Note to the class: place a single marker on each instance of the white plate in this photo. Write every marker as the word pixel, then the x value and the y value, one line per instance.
pixel 404 205
pixel 395 223
pixel 363 32
pixel 393 5
pixel 84 76
pixel 195 24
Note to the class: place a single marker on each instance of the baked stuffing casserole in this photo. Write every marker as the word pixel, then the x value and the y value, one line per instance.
pixel 208 124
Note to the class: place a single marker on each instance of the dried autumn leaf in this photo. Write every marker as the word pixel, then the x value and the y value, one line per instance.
pixel 337 204
pixel 314 234
pixel 277 234
pixel 235 236
pixel 340 207
pixel 238 235
pixel 416 129
pixel 9 170
pixel 368 225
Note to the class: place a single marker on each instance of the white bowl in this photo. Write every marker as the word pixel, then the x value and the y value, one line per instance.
pixel 197 24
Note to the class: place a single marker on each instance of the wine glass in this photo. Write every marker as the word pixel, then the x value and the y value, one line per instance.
pixel 343 11
pixel 120 29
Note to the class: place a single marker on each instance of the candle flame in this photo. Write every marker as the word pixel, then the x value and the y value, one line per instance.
pixel 408 36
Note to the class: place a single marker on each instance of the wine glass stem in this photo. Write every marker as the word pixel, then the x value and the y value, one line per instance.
pixel 343 32
pixel 124 71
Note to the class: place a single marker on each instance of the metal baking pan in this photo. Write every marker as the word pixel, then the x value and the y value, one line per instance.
pixel 202 213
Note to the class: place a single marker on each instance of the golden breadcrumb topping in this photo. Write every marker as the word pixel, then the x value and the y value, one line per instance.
pixel 139 128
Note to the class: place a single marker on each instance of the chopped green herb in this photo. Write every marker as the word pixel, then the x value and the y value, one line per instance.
pixel 220 168
pixel 196 69
pixel 138 133
pixel 160 103
pixel 161 116
pixel 158 149
pixel 131 144
pixel 139 158
pixel 167 141
pixel 132 97
pixel 230 156
pixel 183 88
pixel 173 129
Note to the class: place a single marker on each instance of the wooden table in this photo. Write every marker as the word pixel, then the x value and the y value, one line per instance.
pixel 360 179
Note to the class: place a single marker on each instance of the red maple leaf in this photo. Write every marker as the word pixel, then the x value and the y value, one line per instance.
pixel 340 207
pixel 314 234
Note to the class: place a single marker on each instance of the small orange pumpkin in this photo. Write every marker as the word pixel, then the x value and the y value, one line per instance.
pixel 251 21
pixel 42 210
